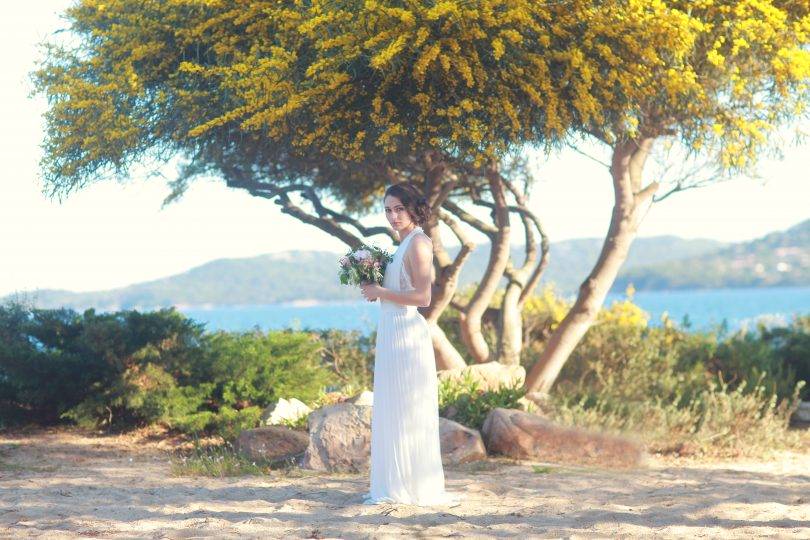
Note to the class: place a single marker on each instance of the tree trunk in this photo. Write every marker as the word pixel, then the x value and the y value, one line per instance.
pixel 510 337
pixel 521 284
pixel 443 288
pixel 445 269
pixel 626 168
pixel 470 318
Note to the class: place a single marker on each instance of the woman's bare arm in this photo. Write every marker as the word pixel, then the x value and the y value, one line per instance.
pixel 421 259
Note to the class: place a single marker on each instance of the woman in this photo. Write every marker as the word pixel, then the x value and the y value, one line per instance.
pixel 406 461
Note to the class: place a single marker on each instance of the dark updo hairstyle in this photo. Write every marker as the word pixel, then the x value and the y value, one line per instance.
pixel 411 197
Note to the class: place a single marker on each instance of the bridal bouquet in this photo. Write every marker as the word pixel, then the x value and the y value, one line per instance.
pixel 364 265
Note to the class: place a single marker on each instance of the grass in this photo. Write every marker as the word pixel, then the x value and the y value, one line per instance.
pixel 220 460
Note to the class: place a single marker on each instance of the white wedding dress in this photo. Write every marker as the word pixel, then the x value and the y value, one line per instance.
pixel 406 460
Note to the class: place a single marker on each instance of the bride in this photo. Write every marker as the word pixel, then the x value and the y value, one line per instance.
pixel 406 461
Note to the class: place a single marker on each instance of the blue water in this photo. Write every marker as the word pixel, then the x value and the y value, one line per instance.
pixel 741 307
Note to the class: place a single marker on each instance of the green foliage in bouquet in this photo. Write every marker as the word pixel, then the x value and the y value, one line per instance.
pixel 364 265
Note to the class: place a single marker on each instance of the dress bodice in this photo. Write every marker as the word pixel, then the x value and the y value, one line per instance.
pixel 397 278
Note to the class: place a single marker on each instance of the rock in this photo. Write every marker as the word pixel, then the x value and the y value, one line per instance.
pixel 339 438
pixel 284 410
pixel 450 412
pixel 459 443
pixel 271 443
pixel 802 413
pixel 523 435
pixel 366 397
pixel 490 375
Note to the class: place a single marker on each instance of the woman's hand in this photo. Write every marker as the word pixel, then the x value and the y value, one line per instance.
pixel 371 291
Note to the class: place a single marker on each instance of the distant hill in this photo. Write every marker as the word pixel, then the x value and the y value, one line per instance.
pixel 781 258
pixel 778 259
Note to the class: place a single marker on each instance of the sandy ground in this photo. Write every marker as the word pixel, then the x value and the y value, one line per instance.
pixel 63 483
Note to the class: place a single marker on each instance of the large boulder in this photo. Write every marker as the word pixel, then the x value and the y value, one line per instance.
pixel 523 435
pixel 339 438
pixel 489 375
pixel 284 410
pixel 459 443
pixel 272 443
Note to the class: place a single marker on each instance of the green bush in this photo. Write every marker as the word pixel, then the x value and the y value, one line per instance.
pixel 707 390
pixel 792 345
pixel 257 368
pixel 676 388
pixel 229 422
pixel 143 394
pixel 349 356
pixel 58 363
pixel 463 401
pixel 127 369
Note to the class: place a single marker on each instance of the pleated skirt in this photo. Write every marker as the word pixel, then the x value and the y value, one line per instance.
pixel 406 461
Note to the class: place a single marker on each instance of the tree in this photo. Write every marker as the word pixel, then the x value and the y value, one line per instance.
pixel 737 74
pixel 338 98
pixel 327 98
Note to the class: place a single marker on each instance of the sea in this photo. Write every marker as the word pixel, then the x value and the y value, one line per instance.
pixel 725 310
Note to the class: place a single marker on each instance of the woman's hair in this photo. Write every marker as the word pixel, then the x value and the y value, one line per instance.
pixel 413 200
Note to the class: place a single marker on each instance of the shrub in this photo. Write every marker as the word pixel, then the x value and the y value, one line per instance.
pixel 127 369
pixel 792 345
pixel 143 394
pixel 349 355
pixel 257 368
pixel 58 363
pixel 676 389
pixel 464 402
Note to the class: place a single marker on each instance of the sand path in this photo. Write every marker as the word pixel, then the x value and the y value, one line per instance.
pixel 63 483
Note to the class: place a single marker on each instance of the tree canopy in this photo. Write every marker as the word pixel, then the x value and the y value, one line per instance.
pixel 273 87
pixel 287 89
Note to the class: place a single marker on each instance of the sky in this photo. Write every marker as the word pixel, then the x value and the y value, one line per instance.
pixel 114 234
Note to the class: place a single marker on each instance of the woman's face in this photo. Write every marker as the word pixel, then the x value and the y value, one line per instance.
pixel 396 213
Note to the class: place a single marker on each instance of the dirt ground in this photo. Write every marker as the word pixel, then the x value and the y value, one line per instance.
pixel 68 483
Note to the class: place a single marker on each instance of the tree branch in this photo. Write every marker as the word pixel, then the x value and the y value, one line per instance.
pixel 470 219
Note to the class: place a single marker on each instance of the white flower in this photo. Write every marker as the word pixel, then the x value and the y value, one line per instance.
pixel 362 254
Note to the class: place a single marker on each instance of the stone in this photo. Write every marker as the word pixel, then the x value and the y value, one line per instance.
pixel 272 443
pixel 490 375
pixel 366 397
pixel 522 435
pixel 339 438
pixel 460 444
pixel 284 410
